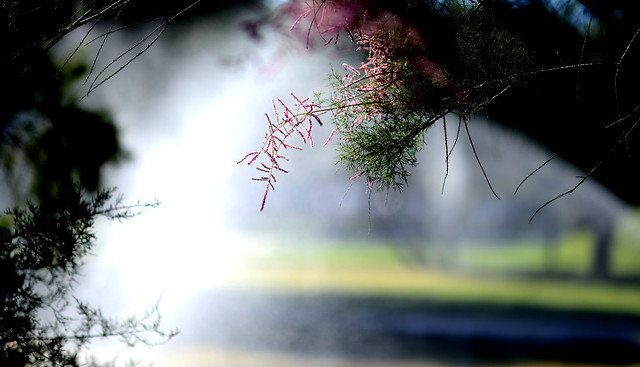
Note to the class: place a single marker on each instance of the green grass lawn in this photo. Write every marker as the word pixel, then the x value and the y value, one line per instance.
pixel 483 274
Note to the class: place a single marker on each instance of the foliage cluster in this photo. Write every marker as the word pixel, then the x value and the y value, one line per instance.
pixel 52 152
pixel 382 108
pixel 41 253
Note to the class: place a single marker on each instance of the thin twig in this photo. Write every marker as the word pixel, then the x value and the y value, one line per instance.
pixel 623 118
pixel 313 20
pixel 93 86
pixel 449 151
pixel 78 46
pixel 584 178
pixel 590 173
pixel 533 172
pixel 615 79
pixel 370 188
pixel 446 157
pixel 572 66
pixel 466 126
pixel 161 28
pixel 455 142
pixel 104 40
pixel 584 44
pixel 121 28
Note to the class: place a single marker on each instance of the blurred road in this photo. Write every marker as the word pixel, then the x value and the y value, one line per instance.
pixel 393 329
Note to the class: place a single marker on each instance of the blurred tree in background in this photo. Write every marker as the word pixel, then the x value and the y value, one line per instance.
pixel 48 144
pixel 44 131
pixel 52 152
pixel 46 138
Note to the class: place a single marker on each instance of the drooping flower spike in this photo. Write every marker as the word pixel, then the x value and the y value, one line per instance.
pixel 278 138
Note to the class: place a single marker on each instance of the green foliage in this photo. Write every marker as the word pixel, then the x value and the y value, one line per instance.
pixel 46 137
pixel 424 60
pixel 489 58
pixel 381 116
pixel 384 149
pixel 375 268
pixel 41 251
pixel 43 243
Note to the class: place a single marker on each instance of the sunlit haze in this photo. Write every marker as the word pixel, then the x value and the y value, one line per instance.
pixel 194 104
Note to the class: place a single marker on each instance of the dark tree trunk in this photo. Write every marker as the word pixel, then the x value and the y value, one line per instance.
pixel 601 267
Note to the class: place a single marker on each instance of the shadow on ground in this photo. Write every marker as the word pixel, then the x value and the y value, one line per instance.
pixel 408 329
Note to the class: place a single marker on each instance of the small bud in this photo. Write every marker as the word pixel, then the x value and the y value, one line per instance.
pixel 247 156
pixel 329 138
pixel 358 175
pixel 350 68
pixel 317 119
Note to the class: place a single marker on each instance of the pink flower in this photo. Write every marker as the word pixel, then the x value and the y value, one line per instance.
pixel 329 138
pixel 350 68
pixel 358 175
pixel 279 135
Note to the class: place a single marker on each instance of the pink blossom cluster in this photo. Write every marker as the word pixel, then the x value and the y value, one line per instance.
pixel 277 138
pixel 327 18
pixel 365 91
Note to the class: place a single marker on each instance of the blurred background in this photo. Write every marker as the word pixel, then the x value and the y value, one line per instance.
pixel 329 274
